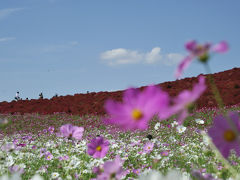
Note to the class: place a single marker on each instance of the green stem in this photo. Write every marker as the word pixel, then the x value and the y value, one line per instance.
pixel 69 149
pixel 219 156
pixel 214 88
pixel 221 106
pixel 220 101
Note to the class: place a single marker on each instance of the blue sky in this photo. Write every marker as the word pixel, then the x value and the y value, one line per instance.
pixel 75 46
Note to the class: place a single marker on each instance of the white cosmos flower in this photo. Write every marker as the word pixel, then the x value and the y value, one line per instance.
pixel 9 161
pixel 83 142
pixel 55 175
pixel 156 127
pixel 56 151
pixel 155 175
pixel 206 138
pixel 3 120
pixel 73 164
pixel 114 145
pixel 36 177
pixel 69 177
pixel 15 176
pixel 85 171
pixel 175 123
pixel 199 121
pixel 172 139
pixel 181 129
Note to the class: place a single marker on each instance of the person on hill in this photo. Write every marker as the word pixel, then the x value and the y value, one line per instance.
pixel 17 96
pixel 41 96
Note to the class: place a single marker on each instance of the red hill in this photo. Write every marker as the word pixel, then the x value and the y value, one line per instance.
pixel 227 81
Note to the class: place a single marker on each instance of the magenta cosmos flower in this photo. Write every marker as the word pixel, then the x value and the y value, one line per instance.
pixel 223 136
pixel 98 147
pixel 71 131
pixel 202 52
pixel 137 108
pixel 112 169
pixel 186 98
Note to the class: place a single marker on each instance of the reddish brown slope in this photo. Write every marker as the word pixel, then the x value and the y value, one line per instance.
pixel 228 83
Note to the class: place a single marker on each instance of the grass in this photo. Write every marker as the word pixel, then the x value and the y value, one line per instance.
pixel 186 151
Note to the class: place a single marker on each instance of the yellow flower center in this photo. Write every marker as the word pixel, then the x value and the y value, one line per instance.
pixel 137 114
pixel 98 148
pixel 113 175
pixel 229 135
pixel 203 58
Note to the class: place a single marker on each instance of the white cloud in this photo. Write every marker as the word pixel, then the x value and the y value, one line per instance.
pixel 154 55
pixel 7 12
pixel 125 56
pixel 7 39
pixel 121 56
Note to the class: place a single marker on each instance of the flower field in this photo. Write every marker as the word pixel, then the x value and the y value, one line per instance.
pixel 31 145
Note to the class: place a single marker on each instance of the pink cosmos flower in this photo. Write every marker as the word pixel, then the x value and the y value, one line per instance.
pixel 199 175
pixel 77 176
pixel 42 152
pixel 71 131
pixel 135 143
pixel 44 131
pixel 148 147
pixel 27 137
pixel 48 156
pixel 164 153
pixel 15 141
pixel 201 52
pixel 98 147
pixel 140 152
pixel 97 170
pixel 224 138
pixel 43 168
pixel 137 108
pixel 8 147
pixel 136 171
pixel 16 169
pixel 112 169
pixel 187 97
pixel 62 158
pixel 51 129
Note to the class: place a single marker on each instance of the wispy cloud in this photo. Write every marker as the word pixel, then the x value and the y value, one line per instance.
pixel 8 11
pixel 124 56
pixel 4 39
pixel 172 59
pixel 60 47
